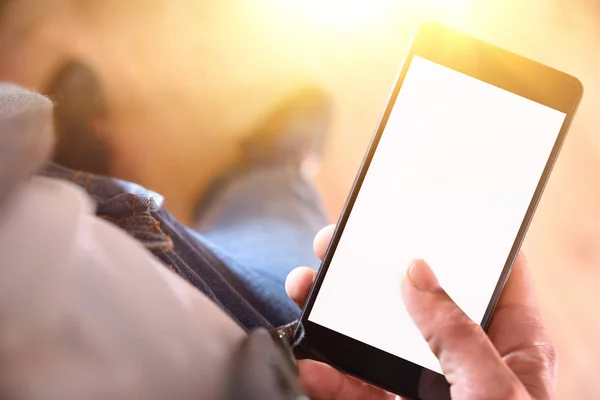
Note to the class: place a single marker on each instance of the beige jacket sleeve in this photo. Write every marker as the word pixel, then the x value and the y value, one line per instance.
pixel 85 311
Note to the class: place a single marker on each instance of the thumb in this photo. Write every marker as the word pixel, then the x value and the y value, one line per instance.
pixel 468 358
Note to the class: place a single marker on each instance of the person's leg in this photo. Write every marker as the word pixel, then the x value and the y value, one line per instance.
pixel 264 227
pixel 262 219
pixel 81 118
pixel 79 105
pixel 267 216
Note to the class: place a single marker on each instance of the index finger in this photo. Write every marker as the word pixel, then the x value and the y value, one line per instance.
pixel 517 311
pixel 322 240
pixel 518 332
pixel 519 289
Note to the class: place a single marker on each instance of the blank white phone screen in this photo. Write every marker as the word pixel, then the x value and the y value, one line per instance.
pixel 450 182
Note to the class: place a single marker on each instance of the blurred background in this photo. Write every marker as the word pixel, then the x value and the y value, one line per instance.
pixel 186 79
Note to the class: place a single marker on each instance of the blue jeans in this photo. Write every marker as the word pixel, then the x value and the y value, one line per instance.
pixel 260 227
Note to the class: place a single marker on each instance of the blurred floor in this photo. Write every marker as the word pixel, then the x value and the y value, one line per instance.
pixel 204 71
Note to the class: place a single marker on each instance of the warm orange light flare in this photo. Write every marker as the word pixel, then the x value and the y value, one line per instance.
pixel 346 14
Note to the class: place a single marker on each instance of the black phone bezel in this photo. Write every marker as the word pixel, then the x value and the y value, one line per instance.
pixel 495 66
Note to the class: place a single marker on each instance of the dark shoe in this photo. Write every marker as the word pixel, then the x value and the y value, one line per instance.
pixel 81 119
pixel 295 132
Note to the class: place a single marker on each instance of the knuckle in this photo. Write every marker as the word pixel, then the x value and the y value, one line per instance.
pixel 545 353
pixel 549 355
pixel 541 353
pixel 534 363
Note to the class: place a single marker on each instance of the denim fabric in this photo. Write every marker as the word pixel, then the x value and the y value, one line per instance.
pixel 261 223
pixel 261 230
pixel 139 212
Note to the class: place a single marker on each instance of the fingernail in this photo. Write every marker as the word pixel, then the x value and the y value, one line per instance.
pixel 422 277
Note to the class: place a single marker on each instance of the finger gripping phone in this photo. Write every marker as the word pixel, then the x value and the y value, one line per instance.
pixel 453 176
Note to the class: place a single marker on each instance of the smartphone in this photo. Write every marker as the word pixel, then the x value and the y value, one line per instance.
pixel 453 176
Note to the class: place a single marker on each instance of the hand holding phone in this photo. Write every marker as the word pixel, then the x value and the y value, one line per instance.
pixel 453 175
pixel 514 360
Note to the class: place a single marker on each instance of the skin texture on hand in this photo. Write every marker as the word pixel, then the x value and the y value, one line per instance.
pixel 514 360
